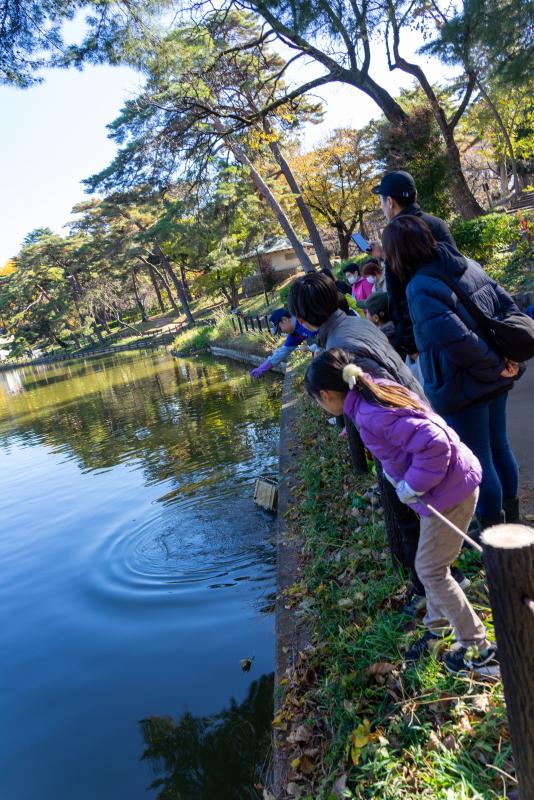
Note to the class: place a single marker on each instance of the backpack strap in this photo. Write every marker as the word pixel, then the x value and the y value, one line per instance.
pixel 483 320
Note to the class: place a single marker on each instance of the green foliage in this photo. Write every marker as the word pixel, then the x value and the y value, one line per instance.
pixel 415 144
pixel 283 294
pixel 486 237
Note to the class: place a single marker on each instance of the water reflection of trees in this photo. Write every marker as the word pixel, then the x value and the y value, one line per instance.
pixel 166 413
pixel 212 758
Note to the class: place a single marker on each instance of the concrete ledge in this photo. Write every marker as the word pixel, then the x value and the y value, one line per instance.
pixel 244 358
pixel 291 634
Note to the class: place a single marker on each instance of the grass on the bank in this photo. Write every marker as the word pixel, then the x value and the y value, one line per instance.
pixel 199 338
pixel 353 724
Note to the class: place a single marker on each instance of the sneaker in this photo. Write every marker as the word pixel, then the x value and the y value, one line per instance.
pixel 413 606
pixel 463 660
pixel 461 579
pixel 421 646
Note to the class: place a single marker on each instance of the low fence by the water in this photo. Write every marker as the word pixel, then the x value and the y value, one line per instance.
pixel 257 324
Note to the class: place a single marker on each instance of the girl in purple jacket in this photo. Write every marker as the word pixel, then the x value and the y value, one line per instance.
pixel 427 463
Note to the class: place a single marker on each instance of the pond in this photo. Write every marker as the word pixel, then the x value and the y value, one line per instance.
pixel 136 574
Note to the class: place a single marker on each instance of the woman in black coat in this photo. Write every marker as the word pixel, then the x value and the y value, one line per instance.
pixel 464 379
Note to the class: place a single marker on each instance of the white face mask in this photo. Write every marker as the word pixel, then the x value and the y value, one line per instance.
pixel 371 279
pixel 351 279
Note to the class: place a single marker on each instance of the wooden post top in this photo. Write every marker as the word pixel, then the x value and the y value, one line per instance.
pixel 508 537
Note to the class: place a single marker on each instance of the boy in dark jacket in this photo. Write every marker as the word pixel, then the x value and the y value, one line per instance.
pixel 398 195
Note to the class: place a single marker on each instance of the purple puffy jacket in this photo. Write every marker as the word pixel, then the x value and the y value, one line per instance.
pixel 418 447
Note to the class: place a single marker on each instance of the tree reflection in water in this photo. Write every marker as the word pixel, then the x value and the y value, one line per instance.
pixel 212 758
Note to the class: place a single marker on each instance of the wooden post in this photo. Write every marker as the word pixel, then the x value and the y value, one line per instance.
pixel 246 323
pixel 239 323
pixel 259 324
pixel 509 561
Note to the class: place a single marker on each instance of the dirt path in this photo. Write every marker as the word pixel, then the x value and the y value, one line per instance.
pixel 521 432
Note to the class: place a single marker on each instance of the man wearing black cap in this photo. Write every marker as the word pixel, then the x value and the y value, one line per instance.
pixel 283 322
pixel 398 195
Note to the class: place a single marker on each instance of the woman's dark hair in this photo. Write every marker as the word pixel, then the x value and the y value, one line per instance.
pixel 313 298
pixel 327 372
pixel 408 243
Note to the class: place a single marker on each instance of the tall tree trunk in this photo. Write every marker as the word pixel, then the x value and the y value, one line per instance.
pixel 139 302
pixel 344 240
pixel 463 198
pixel 177 285
pixel 465 201
pixel 264 190
pixel 184 281
pixel 320 251
pixel 156 288
pixel 163 278
pixel 503 178
pixel 506 137
pixel 363 226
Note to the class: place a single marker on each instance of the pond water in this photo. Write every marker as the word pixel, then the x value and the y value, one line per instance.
pixel 136 574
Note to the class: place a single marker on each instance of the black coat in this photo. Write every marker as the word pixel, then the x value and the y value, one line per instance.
pixel 404 341
pixel 458 365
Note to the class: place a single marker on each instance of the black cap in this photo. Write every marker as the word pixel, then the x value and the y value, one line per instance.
pixel 396 184
pixel 376 303
pixel 277 315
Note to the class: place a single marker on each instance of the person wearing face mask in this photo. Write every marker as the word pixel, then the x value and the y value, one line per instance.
pixel 374 274
pixel 361 287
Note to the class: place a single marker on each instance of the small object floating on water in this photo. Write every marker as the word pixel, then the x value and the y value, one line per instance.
pixel 266 493
pixel 246 663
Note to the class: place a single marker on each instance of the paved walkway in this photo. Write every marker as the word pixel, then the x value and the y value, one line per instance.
pixel 521 432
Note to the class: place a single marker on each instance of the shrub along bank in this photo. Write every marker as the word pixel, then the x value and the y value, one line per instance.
pixel 352 722
pixel 200 338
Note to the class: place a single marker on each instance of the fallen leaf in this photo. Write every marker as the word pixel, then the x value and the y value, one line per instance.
pixel 300 734
pixel 345 602
pixel 306 765
pixel 380 668
pixel 433 742
pixel 481 703
pixel 293 789
pixel 450 743
pixel 340 785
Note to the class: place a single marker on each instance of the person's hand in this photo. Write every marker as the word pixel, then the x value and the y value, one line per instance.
pixel 376 250
pixel 406 494
pixel 261 370
pixel 304 348
pixel 511 369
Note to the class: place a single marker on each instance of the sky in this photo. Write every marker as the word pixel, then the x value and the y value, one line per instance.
pixel 54 134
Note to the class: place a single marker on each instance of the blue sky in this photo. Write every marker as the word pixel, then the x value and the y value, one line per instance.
pixel 54 135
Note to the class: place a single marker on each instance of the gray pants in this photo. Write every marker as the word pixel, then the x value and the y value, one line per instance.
pixel 445 601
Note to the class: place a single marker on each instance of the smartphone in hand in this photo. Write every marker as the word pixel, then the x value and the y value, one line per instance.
pixel 362 243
